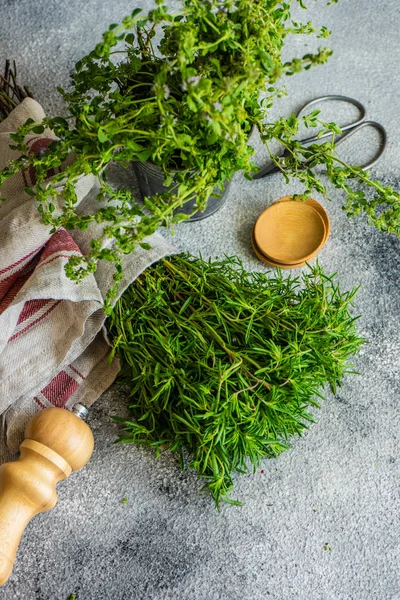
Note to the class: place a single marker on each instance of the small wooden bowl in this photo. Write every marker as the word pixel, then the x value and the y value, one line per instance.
pixel 290 233
pixel 269 261
pixel 318 207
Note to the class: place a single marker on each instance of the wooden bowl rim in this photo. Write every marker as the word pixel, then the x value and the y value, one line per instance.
pixel 318 207
pixel 261 256
pixel 304 258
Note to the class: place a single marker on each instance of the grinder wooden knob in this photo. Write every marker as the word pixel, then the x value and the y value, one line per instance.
pixel 56 443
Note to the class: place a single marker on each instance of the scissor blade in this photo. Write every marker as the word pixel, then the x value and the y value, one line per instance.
pixel 267 170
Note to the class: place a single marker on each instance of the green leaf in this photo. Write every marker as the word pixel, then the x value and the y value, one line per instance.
pixel 38 129
pixel 212 138
pixel 144 155
pixel 102 135
pixel 30 191
pixel 191 104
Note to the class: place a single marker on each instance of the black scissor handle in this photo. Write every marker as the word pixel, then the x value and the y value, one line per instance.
pixel 348 130
pixel 333 98
pixel 374 125
pixel 339 98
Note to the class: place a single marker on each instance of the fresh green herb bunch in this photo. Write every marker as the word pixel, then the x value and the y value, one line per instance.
pixel 189 103
pixel 224 363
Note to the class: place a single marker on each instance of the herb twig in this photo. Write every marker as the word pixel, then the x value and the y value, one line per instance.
pixel 11 93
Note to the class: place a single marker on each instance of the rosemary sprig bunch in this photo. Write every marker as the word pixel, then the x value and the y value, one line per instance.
pixel 225 364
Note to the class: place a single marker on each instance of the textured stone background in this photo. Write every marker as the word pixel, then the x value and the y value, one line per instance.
pixel 339 485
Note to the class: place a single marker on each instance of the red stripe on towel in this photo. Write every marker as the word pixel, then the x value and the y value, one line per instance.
pixel 13 290
pixel 54 258
pixel 38 402
pixel 30 308
pixel 60 241
pixel 9 281
pixel 76 371
pixel 16 335
pixel 60 388
pixel 18 262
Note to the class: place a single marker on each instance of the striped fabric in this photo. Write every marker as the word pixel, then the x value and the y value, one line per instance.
pixel 54 349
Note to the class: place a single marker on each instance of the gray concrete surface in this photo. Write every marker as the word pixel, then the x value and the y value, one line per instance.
pixel 322 521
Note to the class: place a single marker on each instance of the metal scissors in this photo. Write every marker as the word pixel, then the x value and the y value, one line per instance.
pixel 347 131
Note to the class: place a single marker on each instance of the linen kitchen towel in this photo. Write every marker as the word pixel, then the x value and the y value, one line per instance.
pixel 54 349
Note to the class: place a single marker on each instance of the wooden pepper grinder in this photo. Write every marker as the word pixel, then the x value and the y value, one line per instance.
pixel 56 443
